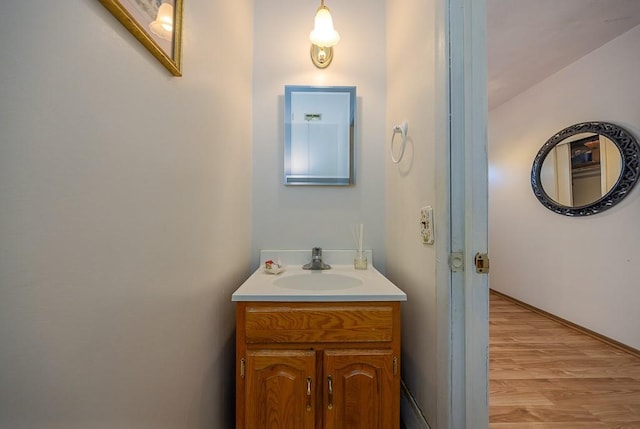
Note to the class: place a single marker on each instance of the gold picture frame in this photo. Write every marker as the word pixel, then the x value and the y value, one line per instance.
pixel 142 18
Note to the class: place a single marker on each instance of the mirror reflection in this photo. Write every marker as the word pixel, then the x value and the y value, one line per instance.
pixel 586 168
pixel 319 135
pixel 581 169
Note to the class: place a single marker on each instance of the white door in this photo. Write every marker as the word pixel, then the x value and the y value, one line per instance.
pixel 468 296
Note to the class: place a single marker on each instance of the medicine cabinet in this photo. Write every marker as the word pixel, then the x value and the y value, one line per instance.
pixel 320 135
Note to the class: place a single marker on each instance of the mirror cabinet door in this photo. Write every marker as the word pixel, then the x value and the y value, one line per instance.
pixel 585 169
pixel 319 127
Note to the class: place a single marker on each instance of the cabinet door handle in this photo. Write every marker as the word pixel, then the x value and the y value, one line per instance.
pixel 308 393
pixel 330 381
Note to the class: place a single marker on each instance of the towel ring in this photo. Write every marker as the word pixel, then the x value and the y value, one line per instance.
pixel 402 129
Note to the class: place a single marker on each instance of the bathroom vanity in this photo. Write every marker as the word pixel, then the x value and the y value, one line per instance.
pixel 318 350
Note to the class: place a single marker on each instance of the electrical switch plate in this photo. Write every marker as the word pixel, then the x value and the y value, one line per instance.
pixel 426 224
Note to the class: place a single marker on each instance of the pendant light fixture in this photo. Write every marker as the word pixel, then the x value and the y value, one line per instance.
pixel 323 37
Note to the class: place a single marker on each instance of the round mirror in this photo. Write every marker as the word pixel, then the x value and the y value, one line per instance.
pixel 585 168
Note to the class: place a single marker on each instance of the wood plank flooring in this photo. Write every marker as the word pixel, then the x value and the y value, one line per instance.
pixel 546 375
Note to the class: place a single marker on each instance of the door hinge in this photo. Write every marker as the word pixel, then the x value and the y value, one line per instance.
pixel 456 261
pixel 482 263
pixel 395 365
pixel 242 367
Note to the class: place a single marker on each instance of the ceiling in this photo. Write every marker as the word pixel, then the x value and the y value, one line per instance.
pixel 529 40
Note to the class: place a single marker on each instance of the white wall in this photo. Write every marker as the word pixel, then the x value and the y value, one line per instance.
pixel 412 87
pixel 124 217
pixel 387 51
pixel 585 270
pixel 300 217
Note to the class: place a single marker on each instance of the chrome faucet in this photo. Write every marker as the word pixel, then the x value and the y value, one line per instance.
pixel 316 261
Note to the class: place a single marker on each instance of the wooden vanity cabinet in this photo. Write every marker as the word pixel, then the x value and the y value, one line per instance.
pixel 278 389
pixel 326 365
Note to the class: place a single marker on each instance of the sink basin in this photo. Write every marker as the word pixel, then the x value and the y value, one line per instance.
pixel 321 281
pixel 342 283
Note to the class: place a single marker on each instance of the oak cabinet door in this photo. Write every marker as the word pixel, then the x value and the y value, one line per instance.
pixel 358 390
pixel 280 389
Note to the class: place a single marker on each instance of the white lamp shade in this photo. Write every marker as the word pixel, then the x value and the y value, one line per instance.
pixel 163 25
pixel 323 34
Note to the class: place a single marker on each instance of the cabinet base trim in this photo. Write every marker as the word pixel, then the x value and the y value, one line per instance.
pixel 410 413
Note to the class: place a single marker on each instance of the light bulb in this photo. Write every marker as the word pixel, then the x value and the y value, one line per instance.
pixel 163 25
pixel 323 34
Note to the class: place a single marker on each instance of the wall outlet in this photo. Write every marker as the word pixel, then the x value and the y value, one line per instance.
pixel 426 224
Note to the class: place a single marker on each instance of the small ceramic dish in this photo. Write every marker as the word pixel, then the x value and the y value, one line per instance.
pixel 274 270
pixel 271 267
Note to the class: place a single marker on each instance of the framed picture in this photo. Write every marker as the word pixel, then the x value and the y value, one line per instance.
pixel 157 24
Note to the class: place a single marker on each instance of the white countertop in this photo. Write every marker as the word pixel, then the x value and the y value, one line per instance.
pixel 262 286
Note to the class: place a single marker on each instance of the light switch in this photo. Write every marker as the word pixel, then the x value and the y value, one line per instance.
pixel 426 224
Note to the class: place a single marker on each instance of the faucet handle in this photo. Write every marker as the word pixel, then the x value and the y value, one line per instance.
pixel 316 260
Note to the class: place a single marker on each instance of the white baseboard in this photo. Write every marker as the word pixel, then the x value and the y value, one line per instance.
pixel 410 412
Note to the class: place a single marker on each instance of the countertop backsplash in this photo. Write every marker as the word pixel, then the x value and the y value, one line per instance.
pixel 301 257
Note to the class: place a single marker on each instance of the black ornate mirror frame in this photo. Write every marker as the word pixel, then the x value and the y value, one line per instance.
pixel 630 168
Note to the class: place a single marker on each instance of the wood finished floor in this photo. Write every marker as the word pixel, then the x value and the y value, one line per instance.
pixel 545 375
